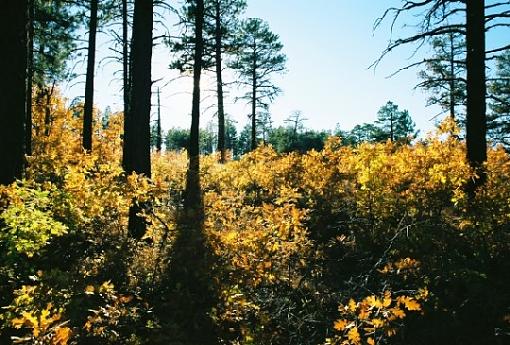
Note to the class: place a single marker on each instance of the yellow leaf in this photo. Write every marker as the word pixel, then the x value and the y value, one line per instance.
pixel 89 290
pixel 374 302
pixel 352 305
pixel 353 335
pixel 387 299
pixel 62 335
pixel 106 287
pixel 370 341
pixel 340 325
pixel 378 323
pixel 410 303
pixel 398 312
pixel 18 322
pixel 364 313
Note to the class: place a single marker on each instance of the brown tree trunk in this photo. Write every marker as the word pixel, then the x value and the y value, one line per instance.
pixel 13 60
pixel 193 198
pixel 138 134
pixel 125 67
pixel 48 92
pixel 254 108
pixel 219 82
pixel 89 82
pixel 159 139
pixel 30 77
pixel 476 124
pixel 452 77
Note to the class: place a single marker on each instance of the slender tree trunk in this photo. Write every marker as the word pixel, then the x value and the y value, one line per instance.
pixel 193 197
pixel 126 148
pixel 13 60
pixel 47 109
pixel 392 120
pixel 476 124
pixel 125 56
pixel 89 82
pixel 138 134
pixel 30 77
pixel 452 77
pixel 219 82
pixel 254 107
pixel 159 139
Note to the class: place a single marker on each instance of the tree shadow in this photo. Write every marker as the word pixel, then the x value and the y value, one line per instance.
pixel 188 295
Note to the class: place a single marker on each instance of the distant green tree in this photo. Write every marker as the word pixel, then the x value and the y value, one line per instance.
pixel 243 144
pixel 295 123
pixel 51 44
pixel 231 136
pixel 105 119
pixel 499 105
pixel 366 132
pixel 394 124
pixel 208 138
pixel 176 139
pixel 285 139
pixel 445 73
pixel 264 126
pixel 258 57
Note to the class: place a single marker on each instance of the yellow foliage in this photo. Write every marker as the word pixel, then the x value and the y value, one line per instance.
pixel 373 316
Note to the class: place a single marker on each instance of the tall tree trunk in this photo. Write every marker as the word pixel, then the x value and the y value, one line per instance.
pixel 452 77
pixel 219 82
pixel 13 60
pixel 89 82
pixel 254 108
pixel 139 134
pixel 125 55
pixel 48 92
pixel 476 124
pixel 159 139
pixel 392 121
pixel 193 197
pixel 30 77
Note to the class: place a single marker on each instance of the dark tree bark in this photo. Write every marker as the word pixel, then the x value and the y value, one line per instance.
pixel 159 138
pixel 219 82
pixel 476 124
pixel 89 82
pixel 193 198
pixel 254 104
pixel 48 93
pixel 13 60
pixel 138 134
pixel 30 77
pixel 452 76
pixel 125 55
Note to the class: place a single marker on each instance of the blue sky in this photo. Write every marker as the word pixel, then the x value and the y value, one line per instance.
pixel 329 44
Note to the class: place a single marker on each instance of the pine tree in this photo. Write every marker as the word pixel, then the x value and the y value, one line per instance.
pixel 394 124
pixel 499 94
pixel 445 74
pixel 259 56
pixel 219 31
pixel 52 41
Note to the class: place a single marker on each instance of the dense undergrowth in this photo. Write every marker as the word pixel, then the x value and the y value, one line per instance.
pixel 374 244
